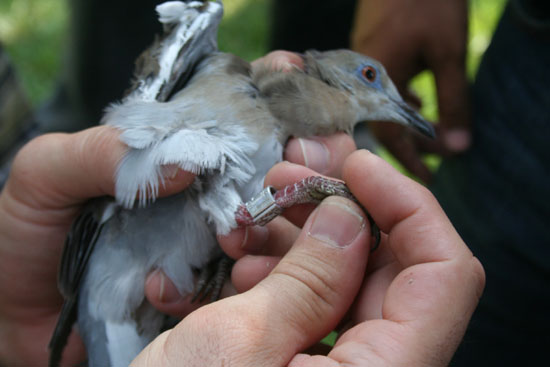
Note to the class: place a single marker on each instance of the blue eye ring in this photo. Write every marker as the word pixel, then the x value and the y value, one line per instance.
pixel 369 73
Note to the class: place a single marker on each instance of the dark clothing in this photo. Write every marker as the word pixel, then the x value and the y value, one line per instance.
pixel 17 125
pixel 311 24
pixel 106 37
pixel 498 194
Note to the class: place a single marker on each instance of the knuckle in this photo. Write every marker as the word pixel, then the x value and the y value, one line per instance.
pixel 479 275
pixel 42 146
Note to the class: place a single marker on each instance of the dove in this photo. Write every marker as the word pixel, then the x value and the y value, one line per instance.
pixel 211 113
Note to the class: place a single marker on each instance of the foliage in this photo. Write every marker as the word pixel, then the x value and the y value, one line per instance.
pixel 34 32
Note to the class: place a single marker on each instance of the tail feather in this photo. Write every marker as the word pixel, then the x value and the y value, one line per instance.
pixel 63 329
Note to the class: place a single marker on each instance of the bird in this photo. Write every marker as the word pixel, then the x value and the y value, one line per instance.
pixel 227 122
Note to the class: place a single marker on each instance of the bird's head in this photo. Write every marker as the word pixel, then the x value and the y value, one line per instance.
pixel 365 80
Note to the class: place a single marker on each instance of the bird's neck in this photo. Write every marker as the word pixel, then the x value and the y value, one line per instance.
pixel 305 105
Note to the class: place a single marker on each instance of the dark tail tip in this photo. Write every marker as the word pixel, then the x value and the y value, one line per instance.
pixel 63 328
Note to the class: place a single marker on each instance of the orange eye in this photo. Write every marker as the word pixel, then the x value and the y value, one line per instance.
pixel 369 73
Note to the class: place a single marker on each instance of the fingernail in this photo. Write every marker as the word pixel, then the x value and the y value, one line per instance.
pixel 169 171
pixel 337 222
pixel 245 238
pixel 168 293
pixel 286 67
pixel 254 238
pixel 457 140
pixel 316 155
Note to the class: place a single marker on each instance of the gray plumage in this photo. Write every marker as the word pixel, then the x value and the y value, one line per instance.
pixel 228 125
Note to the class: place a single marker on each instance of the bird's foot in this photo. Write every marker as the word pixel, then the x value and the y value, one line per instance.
pixel 270 203
pixel 212 278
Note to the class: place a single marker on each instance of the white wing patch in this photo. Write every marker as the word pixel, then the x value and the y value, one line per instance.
pixel 144 123
pixel 199 150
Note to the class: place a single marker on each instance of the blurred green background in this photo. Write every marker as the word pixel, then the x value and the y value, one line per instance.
pixel 33 31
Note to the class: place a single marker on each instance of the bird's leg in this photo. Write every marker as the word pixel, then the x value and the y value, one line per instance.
pixel 263 208
pixel 211 279
pixel 270 203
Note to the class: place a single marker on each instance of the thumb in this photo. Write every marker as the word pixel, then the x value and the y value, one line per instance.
pixel 313 286
pixel 301 301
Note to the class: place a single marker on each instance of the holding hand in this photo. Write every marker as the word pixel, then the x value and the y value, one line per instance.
pixel 307 294
pixel 411 301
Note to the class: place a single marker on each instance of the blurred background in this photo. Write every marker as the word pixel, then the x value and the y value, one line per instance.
pixel 35 35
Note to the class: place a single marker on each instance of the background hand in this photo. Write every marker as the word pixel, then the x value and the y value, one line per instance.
pixel 408 37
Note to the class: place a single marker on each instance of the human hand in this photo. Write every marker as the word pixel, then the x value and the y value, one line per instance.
pixel 51 179
pixel 411 301
pixel 408 37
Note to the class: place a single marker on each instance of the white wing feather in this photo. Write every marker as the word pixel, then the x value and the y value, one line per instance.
pixel 200 147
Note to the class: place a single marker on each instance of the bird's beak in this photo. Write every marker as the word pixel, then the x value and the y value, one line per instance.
pixel 414 119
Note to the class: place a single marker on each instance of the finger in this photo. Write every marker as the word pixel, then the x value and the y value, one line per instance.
pixel 381 270
pixel 434 146
pixel 310 290
pixel 74 168
pixel 413 99
pixel 370 301
pixel 280 60
pixel 402 145
pixel 275 239
pixel 322 154
pixel 392 198
pixel 438 290
pixel 282 235
pixel 301 300
pixel 453 103
pixel 250 270
pixel 243 241
pixel 331 246
pixel 161 292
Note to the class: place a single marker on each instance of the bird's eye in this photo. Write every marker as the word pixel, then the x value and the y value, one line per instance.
pixel 369 73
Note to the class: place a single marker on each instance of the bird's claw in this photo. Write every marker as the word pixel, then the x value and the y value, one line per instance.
pixel 212 278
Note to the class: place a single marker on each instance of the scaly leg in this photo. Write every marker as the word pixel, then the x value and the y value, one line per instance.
pixel 211 279
pixel 270 203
